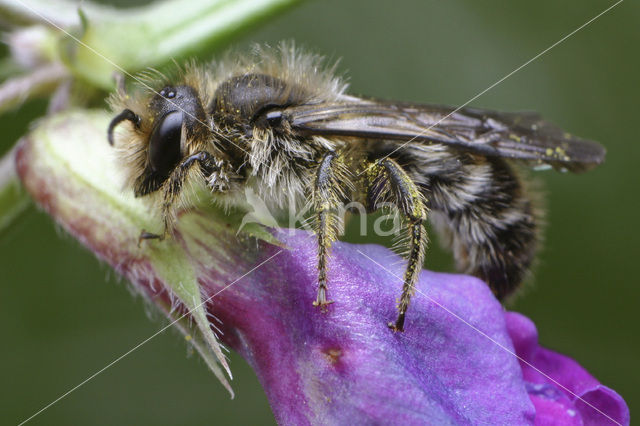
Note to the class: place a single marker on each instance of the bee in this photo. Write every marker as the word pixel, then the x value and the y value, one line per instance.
pixel 279 121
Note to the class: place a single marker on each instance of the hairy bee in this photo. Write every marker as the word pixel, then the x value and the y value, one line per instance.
pixel 280 122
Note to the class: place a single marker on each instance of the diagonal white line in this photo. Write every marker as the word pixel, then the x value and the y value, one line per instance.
pixel 499 81
pixel 500 345
pixel 223 136
pixel 141 344
pixel 128 74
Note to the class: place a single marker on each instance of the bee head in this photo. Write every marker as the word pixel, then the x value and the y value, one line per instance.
pixel 173 117
pixel 177 116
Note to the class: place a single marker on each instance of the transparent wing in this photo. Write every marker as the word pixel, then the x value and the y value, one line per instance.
pixel 523 136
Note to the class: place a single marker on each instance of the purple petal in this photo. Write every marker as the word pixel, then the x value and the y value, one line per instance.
pixel 562 391
pixel 346 365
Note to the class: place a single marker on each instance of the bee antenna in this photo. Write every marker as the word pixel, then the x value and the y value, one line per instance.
pixel 125 115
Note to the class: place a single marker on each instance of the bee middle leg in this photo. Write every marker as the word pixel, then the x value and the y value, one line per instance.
pixel 173 186
pixel 327 194
pixel 391 182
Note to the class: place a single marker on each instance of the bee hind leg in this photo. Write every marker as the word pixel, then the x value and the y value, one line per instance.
pixel 327 194
pixel 392 183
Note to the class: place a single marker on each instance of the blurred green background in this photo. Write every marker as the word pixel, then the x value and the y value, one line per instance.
pixel 64 316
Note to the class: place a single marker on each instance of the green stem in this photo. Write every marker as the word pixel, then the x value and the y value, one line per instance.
pixel 154 35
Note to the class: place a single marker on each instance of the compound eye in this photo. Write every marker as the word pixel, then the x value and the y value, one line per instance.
pixel 164 144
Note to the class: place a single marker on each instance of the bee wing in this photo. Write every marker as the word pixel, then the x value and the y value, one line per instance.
pixel 523 136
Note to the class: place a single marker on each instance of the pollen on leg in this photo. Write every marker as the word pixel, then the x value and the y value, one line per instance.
pixel 327 193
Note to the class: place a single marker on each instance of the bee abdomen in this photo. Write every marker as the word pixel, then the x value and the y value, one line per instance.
pixel 489 219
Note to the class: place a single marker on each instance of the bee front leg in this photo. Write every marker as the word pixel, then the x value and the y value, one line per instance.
pixel 392 182
pixel 327 194
pixel 173 187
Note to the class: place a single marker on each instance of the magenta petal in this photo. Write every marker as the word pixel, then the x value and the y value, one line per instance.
pixel 566 393
pixel 346 366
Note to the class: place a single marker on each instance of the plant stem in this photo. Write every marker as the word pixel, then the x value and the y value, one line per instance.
pixel 155 35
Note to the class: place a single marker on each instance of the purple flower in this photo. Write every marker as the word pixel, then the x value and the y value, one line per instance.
pixel 562 391
pixel 461 360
